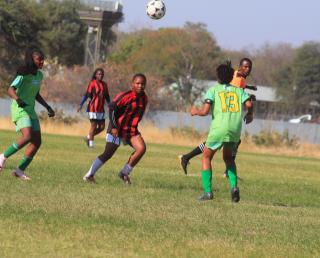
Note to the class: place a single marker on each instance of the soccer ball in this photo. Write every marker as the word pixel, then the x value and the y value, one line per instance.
pixel 156 9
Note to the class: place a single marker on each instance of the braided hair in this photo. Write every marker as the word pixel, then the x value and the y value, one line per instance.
pixel 225 73
pixel 29 66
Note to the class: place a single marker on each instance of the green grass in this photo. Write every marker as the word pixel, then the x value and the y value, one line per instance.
pixel 58 215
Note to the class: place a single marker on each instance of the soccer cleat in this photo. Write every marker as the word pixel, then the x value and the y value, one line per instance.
pixel 125 178
pixel 205 197
pixel 2 161
pixel 235 194
pixel 18 173
pixel 86 140
pixel 184 163
pixel 89 179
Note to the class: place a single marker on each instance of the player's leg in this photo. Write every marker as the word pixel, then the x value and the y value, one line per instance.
pixel 234 155
pixel 29 153
pixel 228 150
pixel 90 138
pixel 24 125
pixel 206 174
pixel 100 127
pixel 112 144
pixel 139 146
pixel 184 159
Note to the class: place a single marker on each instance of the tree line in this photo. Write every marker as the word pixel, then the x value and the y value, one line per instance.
pixel 180 57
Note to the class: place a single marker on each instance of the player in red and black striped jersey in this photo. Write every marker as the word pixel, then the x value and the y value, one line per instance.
pixel 98 93
pixel 125 112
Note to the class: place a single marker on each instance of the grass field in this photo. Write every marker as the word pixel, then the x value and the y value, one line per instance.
pixel 58 215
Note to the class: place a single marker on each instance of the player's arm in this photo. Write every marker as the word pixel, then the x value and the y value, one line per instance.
pixel 251 87
pixel 12 91
pixel 39 99
pixel 205 109
pixel 83 100
pixel 248 118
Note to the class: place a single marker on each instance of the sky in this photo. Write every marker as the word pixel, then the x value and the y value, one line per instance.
pixel 235 24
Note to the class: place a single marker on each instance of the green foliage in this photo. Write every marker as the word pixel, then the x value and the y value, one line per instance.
pixel 298 83
pixel 177 55
pixel 271 138
pixel 59 117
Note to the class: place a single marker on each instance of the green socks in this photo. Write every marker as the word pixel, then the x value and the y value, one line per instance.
pixel 24 163
pixel 232 173
pixel 12 149
pixel 206 180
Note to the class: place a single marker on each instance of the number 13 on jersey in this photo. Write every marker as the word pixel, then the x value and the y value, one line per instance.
pixel 229 102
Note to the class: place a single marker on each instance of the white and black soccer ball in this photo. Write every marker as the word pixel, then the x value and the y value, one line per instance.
pixel 156 9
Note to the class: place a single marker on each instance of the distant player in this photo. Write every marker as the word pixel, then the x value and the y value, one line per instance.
pixel 98 93
pixel 226 104
pixel 125 112
pixel 24 91
pixel 238 80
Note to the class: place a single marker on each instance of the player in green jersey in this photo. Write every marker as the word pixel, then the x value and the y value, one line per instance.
pixel 226 104
pixel 24 91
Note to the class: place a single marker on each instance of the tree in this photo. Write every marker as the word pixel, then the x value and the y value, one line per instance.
pixel 177 55
pixel 299 82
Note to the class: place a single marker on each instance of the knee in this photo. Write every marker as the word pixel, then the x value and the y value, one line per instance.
pixel 142 150
pixel 27 137
pixel 102 126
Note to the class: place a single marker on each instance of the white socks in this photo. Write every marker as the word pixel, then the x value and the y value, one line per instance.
pixel 94 167
pixel 126 169
pixel 90 142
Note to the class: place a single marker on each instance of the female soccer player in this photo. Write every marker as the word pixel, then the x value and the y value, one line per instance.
pixel 125 112
pixel 238 80
pixel 98 93
pixel 24 91
pixel 225 102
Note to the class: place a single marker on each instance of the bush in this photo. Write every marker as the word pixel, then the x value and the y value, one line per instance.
pixel 273 138
pixel 59 117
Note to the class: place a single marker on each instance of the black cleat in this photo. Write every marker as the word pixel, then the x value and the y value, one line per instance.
pixel 235 194
pixel 184 163
pixel 205 197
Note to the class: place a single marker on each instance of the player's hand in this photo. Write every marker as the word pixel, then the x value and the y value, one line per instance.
pixel 79 109
pixel 194 111
pixel 248 118
pixel 114 132
pixel 253 97
pixel 51 112
pixel 21 103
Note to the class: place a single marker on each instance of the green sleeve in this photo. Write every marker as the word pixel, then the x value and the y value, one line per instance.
pixel 17 82
pixel 209 97
pixel 244 96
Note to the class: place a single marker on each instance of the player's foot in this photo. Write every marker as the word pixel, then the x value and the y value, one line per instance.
pixel 86 140
pixel 2 161
pixel 184 163
pixel 89 179
pixel 125 178
pixel 235 194
pixel 18 173
pixel 206 196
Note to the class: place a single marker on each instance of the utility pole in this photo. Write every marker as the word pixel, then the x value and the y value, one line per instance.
pixel 101 16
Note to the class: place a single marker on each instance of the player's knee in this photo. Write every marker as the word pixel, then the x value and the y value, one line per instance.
pixel 141 150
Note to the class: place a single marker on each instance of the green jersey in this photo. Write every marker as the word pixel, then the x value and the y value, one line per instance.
pixel 226 107
pixel 27 88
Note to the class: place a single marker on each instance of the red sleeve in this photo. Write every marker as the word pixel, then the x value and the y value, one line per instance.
pixel 122 99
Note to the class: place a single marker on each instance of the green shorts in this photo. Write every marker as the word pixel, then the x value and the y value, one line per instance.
pixel 218 145
pixel 26 121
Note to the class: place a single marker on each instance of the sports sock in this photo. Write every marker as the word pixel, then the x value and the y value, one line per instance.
pixel 196 151
pixel 12 149
pixel 206 180
pixel 126 170
pixel 25 162
pixel 90 143
pixel 94 167
pixel 232 174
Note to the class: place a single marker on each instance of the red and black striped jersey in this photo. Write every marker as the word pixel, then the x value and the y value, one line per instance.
pixel 125 112
pixel 98 93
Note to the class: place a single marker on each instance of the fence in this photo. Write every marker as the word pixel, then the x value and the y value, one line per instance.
pixel 306 132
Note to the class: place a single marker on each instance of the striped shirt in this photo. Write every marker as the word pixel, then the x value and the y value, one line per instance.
pixel 98 93
pixel 125 112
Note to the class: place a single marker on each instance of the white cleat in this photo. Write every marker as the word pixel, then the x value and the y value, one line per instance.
pixel 89 179
pixel 18 173
pixel 2 161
